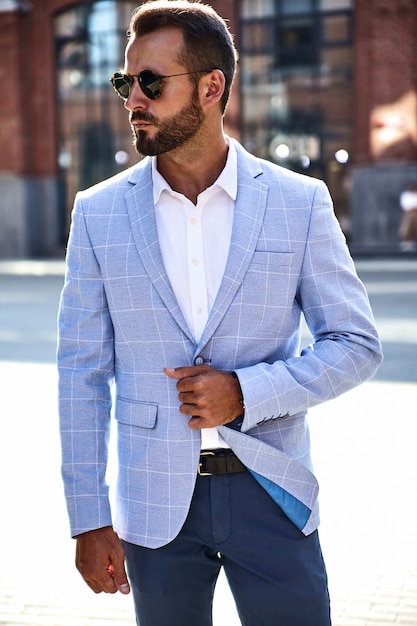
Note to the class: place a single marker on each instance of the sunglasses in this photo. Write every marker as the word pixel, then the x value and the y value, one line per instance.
pixel 149 83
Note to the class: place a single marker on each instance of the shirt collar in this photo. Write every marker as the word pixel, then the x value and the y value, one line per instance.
pixel 226 181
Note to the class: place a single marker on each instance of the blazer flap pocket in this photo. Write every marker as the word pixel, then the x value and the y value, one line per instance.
pixel 136 413
pixel 272 258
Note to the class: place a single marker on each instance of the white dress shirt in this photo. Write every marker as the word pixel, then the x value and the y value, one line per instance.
pixel 194 242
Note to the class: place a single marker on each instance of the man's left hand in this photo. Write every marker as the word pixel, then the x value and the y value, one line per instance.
pixel 210 396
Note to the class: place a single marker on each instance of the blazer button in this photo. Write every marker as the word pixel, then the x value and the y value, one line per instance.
pixel 198 360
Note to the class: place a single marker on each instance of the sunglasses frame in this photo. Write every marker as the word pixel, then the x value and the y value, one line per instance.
pixel 153 94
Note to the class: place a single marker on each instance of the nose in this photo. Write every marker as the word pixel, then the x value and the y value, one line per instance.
pixel 137 99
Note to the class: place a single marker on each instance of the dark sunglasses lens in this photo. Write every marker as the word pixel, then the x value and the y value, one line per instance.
pixel 150 84
pixel 122 84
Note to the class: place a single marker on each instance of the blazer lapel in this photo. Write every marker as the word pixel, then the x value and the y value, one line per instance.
pixel 249 212
pixel 248 218
pixel 140 207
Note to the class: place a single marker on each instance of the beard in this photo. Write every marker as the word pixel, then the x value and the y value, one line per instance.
pixel 172 132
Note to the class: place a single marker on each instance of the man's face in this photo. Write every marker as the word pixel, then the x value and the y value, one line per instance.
pixel 174 118
pixel 169 132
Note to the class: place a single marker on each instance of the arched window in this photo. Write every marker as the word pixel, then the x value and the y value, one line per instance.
pixel 93 131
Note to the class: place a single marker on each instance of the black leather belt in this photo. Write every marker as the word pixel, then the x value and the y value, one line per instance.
pixel 220 461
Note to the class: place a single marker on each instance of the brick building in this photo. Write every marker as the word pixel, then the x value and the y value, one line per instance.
pixel 326 87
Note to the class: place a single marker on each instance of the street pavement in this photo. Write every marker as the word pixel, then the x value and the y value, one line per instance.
pixel 363 444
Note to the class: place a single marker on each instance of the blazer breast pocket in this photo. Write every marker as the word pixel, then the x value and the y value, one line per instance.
pixel 272 259
pixel 136 413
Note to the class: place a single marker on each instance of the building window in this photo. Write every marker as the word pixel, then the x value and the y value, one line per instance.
pixel 296 42
pixel 94 134
pixel 257 8
pixel 335 5
pixel 289 7
pixel 296 88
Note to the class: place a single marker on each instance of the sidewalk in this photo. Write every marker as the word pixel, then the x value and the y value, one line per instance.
pixel 368 488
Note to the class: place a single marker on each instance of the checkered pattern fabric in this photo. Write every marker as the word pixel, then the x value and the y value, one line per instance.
pixel 119 322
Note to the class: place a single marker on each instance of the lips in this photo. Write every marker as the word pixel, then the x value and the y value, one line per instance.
pixel 140 125
pixel 141 121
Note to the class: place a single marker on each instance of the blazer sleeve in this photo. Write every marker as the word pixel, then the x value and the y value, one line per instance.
pixel 346 349
pixel 86 370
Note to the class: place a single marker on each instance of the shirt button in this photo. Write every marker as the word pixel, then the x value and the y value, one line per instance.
pixel 198 360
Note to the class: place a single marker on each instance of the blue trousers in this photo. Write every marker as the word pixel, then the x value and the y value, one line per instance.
pixel 276 574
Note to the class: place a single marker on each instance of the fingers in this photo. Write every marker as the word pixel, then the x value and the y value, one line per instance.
pixel 186 372
pixel 118 572
pixel 192 389
pixel 209 396
pixel 197 423
pixel 100 561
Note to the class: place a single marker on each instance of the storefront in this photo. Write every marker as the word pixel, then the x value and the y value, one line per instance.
pixel 325 87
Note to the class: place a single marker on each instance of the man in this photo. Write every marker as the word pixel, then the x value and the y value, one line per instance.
pixel 186 279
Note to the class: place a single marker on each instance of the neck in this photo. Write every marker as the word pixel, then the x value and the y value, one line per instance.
pixel 189 170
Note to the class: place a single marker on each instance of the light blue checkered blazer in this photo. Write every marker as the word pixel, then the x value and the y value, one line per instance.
pixel 119 321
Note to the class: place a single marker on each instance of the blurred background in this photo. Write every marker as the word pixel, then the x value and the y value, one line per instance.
pixel 325 87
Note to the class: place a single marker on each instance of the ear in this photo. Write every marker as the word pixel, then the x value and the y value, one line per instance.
pixel 212 87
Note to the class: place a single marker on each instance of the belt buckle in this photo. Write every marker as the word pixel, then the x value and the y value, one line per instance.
pixel 204 453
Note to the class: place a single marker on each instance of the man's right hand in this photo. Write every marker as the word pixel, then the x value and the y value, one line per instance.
pixel 100 561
